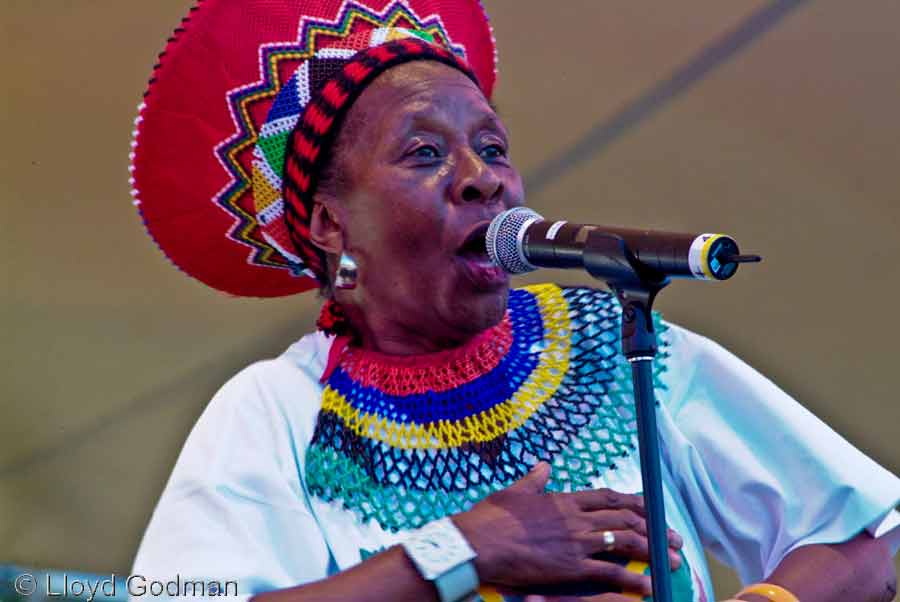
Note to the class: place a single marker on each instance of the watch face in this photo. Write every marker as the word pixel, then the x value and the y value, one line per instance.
pixel 434 555
pixel 437 549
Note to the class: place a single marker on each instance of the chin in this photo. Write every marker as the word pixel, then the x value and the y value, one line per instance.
pixel 484 309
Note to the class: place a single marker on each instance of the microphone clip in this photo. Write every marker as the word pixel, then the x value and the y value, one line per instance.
pixel 607 257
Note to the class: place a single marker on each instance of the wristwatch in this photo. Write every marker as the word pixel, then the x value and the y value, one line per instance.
pixel 443 556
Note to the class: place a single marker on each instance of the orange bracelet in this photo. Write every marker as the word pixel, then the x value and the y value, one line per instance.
pixel 775 593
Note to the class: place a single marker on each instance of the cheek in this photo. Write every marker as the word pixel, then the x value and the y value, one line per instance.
pixel 407 228
pixel 516 196
pixel 416 219
pixel 418 233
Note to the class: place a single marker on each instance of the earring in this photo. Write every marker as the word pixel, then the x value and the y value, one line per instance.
pixel 347 272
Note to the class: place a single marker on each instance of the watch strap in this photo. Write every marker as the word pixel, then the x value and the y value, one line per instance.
pixel 458 584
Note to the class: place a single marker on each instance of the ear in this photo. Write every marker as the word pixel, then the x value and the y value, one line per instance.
pixel 325 229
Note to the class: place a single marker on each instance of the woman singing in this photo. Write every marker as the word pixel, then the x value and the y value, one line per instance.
pixel 442 437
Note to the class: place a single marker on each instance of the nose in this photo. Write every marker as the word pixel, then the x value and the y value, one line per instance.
pixel 476 182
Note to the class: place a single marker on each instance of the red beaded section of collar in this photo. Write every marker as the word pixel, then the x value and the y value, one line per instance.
pixel 438 372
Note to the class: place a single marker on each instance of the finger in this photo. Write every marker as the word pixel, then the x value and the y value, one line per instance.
pixel 607 499
pixel 675 540
pixel 610 573
pixel 628 544
pixel 628 519
pixel 618 520
pixel 535 481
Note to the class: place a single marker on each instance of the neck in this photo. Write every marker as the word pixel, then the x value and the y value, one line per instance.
pixel 385 334
pixel 402 325
pixel 393 338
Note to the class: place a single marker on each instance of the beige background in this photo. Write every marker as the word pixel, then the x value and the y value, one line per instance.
pixel 775 122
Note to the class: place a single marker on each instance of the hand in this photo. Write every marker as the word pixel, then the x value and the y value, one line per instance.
pixel 526 537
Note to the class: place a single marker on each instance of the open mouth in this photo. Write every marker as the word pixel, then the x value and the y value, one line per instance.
pixel 474 246
pixel 477 265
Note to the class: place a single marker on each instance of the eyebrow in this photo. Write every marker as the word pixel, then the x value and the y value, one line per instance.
pixel 426 118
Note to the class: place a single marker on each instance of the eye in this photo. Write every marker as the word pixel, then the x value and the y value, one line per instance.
pixel 425 151
pixel 493 151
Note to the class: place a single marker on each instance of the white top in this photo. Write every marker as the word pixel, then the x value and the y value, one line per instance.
pixel 748 473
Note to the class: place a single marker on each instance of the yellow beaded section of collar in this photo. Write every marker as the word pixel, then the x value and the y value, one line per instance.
pixel 485 426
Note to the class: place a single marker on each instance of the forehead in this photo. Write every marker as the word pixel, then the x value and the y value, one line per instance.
pixel 416 90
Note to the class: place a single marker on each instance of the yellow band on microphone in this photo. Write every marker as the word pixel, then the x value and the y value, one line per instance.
pixel 698 255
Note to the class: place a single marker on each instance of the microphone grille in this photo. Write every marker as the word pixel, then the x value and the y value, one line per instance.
pixel 504 239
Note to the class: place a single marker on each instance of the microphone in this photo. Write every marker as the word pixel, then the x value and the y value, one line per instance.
pixel 519 240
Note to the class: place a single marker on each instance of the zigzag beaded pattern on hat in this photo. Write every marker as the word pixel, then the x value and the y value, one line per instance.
pixel 561 393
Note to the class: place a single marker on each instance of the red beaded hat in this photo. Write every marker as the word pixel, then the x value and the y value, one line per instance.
pixel 241 112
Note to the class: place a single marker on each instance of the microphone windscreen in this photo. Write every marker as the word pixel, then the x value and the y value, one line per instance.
pixel 504 239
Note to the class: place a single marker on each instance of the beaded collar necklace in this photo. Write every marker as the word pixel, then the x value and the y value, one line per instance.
pixel 405 440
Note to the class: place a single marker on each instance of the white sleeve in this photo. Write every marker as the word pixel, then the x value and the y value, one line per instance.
pixel 760 474
pixel 235 508
pixel 888 529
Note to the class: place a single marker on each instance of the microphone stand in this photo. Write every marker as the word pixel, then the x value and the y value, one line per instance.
pixel 607 257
